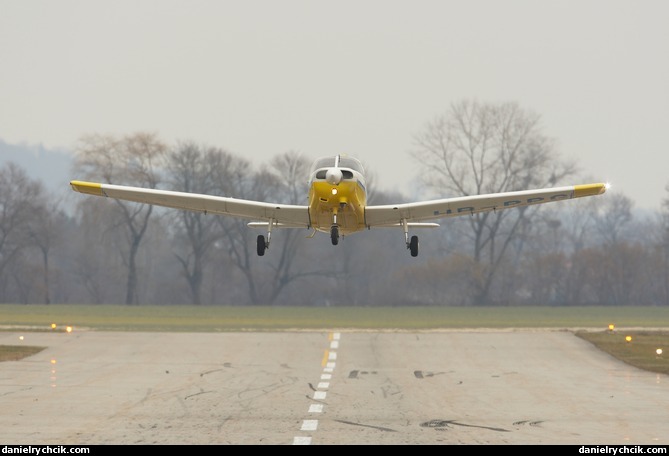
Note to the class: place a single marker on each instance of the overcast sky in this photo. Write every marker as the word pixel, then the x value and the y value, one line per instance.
pixel 363 77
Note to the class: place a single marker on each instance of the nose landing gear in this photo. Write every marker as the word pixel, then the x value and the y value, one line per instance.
pixel 334 234
pixel 334 230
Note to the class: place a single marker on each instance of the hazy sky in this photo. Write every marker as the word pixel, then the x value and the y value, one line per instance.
pixel 362 77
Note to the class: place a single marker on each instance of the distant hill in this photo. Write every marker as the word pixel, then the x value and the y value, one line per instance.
pixel 51 167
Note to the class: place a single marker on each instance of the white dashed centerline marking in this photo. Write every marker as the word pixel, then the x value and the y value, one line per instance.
pixel 309 425
pixel 320 395
pixel 316 408
pixel 328 369
pixel 302 441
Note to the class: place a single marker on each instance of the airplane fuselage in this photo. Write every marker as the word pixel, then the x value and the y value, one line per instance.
pixel 337 195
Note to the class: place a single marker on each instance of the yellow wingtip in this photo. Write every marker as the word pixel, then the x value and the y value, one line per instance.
pixel 90 188
pixel 589 189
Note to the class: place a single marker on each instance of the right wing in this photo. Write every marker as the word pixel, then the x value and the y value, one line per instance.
pixel 287 215
pixel 396 214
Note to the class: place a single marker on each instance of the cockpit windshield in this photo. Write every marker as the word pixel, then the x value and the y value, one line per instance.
pixel 351 163
pixel 326 162
pixel 344 162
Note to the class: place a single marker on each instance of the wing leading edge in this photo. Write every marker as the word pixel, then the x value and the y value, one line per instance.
pixel 280 214
pixel 391 215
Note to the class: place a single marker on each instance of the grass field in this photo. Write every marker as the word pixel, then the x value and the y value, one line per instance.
pixel 640 351
pixel 229 318
pixel 648 326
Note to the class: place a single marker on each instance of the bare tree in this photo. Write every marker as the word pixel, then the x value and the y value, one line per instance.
pixel 195 169
pixel 134 160
pixel 235 178
pixel 287 172
pixel 478 148
pixel 44 233
pixel 620 260
pixel 283 181
pixel 613 217
pixel 664 243
pixel 21 200
pixel 95 263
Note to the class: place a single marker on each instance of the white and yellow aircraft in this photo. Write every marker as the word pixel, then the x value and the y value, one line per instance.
pixel 338 203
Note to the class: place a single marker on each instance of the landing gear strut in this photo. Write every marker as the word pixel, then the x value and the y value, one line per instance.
pixel 263 244
pixel 412 244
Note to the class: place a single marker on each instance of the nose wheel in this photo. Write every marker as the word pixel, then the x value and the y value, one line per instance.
pixel 334 234
pixel 334 229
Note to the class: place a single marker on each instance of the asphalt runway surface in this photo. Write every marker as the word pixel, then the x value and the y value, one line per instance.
pixel 319 388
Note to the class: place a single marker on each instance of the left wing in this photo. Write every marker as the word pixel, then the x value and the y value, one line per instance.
pixel 392 215
pixel 287 215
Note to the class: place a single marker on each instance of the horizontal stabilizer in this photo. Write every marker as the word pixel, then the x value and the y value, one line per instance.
pixel 410 225
pixel 274 225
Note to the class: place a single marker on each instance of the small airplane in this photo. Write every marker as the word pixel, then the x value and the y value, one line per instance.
pixel 338 204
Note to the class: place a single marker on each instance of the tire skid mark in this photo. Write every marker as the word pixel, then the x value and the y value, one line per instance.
pixel 197 394
pixel 427 374
pixel 380 428
pixel 440 424
pixel 202 374
pixel 357 373
pixel 536 423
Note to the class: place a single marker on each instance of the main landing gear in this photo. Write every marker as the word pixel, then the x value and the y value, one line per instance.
pixel 263 244
pixel 412 244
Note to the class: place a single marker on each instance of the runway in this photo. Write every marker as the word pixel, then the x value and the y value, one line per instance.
pixel 329 387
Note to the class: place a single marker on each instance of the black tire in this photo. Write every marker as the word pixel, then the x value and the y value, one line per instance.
pixel 413 246
pixel 261 245
pixel 334 235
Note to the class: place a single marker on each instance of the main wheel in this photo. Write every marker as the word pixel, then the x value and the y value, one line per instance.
pixel 334 234
pixel 413 246
pixel 261 245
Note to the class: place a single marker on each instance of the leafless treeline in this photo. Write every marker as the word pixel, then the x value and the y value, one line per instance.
pixel 582 252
